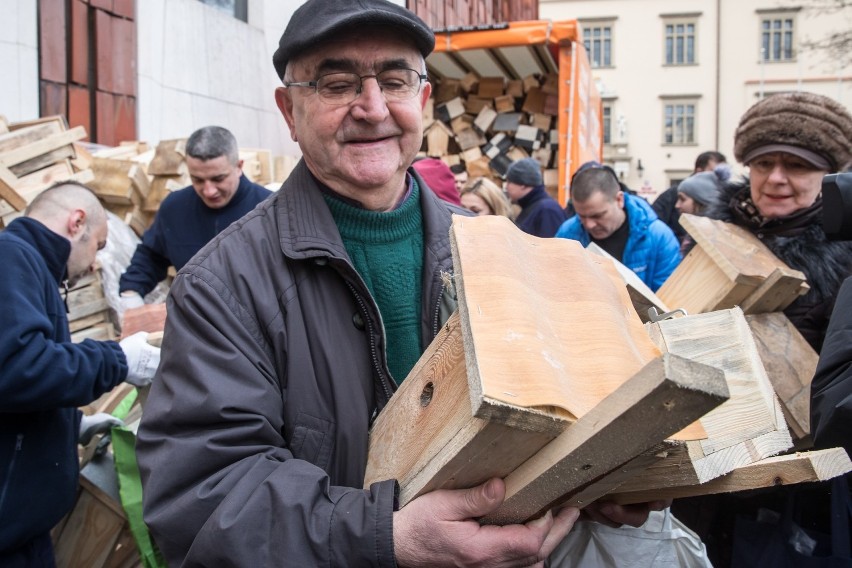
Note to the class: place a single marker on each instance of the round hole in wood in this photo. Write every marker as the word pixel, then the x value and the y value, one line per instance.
pixel 426 395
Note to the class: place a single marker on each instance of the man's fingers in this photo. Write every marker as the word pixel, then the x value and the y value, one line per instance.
pixel 480 500
pixel 563 522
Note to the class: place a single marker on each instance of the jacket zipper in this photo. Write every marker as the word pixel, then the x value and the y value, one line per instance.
pixel 19 443
pixel 436 323
pixel 369 321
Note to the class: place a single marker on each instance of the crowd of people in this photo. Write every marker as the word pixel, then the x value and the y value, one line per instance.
pixel 295 315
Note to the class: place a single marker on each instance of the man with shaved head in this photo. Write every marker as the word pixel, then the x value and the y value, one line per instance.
pixel 44 377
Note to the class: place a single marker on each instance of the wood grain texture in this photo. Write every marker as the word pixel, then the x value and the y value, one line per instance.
pixel 790 364
pixel 546 324
pixel 427 437
pixel 803 467
pixel 665 396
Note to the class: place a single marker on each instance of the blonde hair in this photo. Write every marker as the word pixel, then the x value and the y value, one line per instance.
pixel 491 194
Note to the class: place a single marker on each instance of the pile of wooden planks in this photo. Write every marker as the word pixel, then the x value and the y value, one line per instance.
pixel 483 124
pixel 88 310
pixel 33 155
pixel 547 378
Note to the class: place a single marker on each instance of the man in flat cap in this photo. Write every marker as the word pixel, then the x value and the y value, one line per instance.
pixel 292 329
pixel 540 215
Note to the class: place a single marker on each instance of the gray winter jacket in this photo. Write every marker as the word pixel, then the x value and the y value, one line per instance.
pixel 254 441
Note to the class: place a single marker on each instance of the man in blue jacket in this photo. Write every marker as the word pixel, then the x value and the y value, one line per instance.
pixel 189 218
pixel 44 377
pixel 623 225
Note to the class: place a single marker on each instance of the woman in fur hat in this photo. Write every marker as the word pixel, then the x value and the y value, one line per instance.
pixel 789 142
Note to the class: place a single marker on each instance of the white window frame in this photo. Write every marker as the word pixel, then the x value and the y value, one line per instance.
pixel 683 114
pixel 686 35
pixel 777 36
pixel 605 40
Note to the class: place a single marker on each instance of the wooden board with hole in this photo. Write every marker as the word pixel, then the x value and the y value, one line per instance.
pixel 728 267
pixel 509 372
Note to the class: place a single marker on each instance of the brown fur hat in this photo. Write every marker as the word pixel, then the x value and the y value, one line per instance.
pixel 808 121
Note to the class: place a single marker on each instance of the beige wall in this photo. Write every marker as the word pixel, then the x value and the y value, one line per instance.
pixel 18 60
pixel 727 74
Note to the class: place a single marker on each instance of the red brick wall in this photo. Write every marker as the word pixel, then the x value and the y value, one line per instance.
pixel 446 13
pixel 87 65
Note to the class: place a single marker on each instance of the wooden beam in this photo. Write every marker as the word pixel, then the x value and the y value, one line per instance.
pixel 803 467
pixel 8 182
pixel 664 397
pixel 776 292
pixel 43 146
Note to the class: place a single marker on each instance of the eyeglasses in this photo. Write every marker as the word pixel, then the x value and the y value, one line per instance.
pixel 343 88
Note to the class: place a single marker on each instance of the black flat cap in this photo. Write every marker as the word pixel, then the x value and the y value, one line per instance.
pixel 317 20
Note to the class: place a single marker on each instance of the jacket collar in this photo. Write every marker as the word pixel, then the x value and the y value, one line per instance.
pixel 307 229
pixel 53 248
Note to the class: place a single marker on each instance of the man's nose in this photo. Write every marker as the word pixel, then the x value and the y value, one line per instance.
pixel 370 104
pixel 210 189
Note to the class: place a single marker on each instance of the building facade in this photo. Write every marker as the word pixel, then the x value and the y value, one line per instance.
pixel 676 75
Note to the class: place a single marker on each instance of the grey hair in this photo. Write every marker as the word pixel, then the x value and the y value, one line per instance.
pixel 210 142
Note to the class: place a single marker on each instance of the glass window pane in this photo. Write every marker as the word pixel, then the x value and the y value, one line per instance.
pixel 669 51
pixel 679 50
pixel 690 50
pixel 607 54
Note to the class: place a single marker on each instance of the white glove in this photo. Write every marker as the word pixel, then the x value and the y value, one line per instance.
pixel 142 359
pixel 96 424
pixel 128 300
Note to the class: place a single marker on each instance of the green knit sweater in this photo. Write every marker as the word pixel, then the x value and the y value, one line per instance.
pixel 386 249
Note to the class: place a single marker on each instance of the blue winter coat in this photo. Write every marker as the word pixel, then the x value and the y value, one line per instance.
pixel 43 379
pixel 652 250
pixel 182 226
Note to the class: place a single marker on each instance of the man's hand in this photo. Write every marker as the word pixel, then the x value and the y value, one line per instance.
pixel 142 359
pixel 129 299
pixel 438 529
pixel 96 424
pixel 614 515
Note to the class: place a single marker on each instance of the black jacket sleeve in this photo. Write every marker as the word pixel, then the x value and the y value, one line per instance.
pixel 831 389
pixel 149 264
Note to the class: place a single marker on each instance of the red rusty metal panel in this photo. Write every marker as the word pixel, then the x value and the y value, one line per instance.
pixel 102 4
pixel 125 119
pixel 124 8
pixel 105 51
pixel 79 109
pixel 105 119
pixel 79 42
pixel 52 47
pixel 123 60
pixel 53 98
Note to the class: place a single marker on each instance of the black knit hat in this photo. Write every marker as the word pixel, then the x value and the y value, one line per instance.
pixel 813 127
pixel 526 171
pixel 317 20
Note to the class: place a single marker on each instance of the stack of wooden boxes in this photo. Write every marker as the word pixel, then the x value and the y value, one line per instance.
pixel 483 124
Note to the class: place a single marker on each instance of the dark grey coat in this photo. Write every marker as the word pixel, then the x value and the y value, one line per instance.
pixel 254 443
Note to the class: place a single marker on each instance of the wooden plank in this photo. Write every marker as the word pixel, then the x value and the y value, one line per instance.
pixel 777 292
pixel 748 427
pixel 92 529
pixel 735 265
pixel 169 158
pixel 434 398
pixel 24 136
pixel 642 297
pixel 521 309
pixel 8 182
pixel 35 151
pixel 661 399
pixel 790 364
pixel 802 467
pixel 98 332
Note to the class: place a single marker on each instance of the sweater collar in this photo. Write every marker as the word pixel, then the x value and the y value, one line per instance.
pixel 53 248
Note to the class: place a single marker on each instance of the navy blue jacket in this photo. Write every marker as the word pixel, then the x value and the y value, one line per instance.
pixel 652 251
pixel 183 225
pixel 540 214
pixel 43 379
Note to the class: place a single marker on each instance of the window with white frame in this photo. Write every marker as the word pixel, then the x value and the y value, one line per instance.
pixel 679 121
pixel 777 36
pixel 597 38
pixel 606 111
pixel 680 41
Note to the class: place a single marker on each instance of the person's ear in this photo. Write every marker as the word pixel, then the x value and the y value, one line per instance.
pixel 240 165
pixel 284 101
pixel 76 223
pixel 424 94
pixel 619 198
